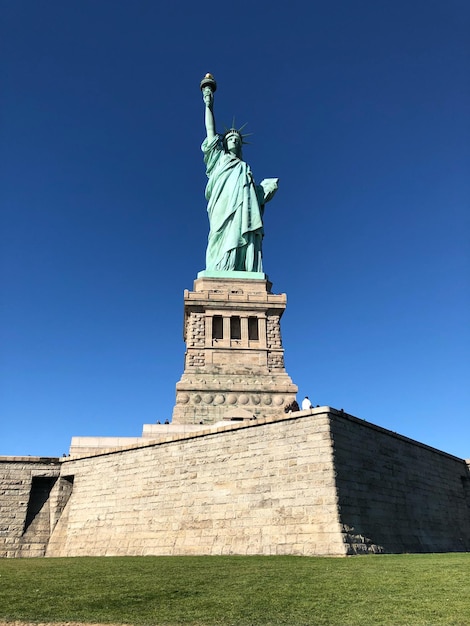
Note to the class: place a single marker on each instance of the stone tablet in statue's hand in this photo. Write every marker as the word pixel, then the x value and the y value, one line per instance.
pixel 269 186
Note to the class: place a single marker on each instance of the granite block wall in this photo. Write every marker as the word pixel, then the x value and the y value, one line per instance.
pixel 397 493
pixel 26 484
pixel 316 482
pixel 267 488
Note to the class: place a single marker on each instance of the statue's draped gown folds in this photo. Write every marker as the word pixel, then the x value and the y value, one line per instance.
pixel 235 204
pixel 235 207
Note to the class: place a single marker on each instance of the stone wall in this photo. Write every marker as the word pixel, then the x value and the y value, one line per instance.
pixel 316 482
pixel 396 493
pixel 27 504
pixel 258 489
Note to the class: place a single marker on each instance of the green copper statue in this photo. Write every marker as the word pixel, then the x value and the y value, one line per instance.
pixel 235 203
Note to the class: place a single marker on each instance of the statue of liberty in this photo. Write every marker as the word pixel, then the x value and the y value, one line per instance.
pixel 235 203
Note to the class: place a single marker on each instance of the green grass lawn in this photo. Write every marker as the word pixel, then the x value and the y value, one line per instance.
pixel 391 590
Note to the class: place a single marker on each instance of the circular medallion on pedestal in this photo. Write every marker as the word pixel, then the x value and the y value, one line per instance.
pixel 267 399
pixel 182 398
pixel 197 399
pixel 278 400
pixel 219 399
pixel 207 398
pixel 231 398
pixel 255 399
pixel 243 399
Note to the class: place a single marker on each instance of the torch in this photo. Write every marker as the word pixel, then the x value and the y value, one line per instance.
pixel 208 86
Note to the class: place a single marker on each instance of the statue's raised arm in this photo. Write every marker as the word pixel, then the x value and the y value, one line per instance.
pixel 208 87
pixel 235 203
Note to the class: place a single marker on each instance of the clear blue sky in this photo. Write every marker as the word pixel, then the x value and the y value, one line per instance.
pixel 360 108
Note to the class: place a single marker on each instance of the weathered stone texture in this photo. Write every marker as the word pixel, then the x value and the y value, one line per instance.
pixel 264 489
pixel 25 531
pixel 316 482
pixel 234 353
pixel 397 495
pixel 273 332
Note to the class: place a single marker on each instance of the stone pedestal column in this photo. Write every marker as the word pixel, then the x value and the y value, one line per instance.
pixel 234 355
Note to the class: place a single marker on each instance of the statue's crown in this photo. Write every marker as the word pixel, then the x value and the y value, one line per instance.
pixel 236 131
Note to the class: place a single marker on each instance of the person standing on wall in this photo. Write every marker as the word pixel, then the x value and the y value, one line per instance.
pixel 306 404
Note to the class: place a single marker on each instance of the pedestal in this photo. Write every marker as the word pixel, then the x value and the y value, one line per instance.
pixel 234 362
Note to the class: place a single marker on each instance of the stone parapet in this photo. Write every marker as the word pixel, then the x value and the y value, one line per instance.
pixel 92 445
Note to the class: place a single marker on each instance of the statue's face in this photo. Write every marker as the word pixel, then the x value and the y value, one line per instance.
pixel 234 144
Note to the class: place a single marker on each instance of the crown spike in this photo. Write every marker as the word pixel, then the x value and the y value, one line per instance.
pixel 238 131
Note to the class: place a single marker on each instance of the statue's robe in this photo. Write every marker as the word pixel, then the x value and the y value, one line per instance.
pixel 235 206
